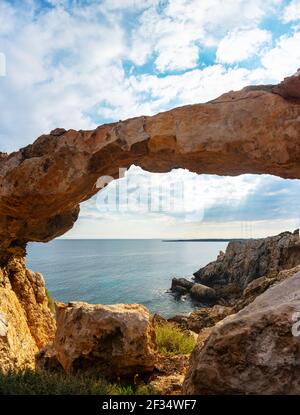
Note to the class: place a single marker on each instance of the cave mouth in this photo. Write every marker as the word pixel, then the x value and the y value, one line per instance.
pixel 121 252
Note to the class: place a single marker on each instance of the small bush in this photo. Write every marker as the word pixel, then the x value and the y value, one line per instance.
pixel 30 382
pixel 171 340
pixel 51 302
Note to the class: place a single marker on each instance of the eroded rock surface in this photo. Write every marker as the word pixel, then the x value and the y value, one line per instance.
pixel 26 323
pixel 256 351
pixel 255 130
pixel 247 260
pixel 117 340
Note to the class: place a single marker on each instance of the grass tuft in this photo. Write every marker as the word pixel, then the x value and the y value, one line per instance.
pixel 171 340
pixel 30 382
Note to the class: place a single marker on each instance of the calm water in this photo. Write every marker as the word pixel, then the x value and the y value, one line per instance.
pixel 120 271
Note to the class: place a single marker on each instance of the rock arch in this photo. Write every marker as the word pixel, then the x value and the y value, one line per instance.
pixel 255 130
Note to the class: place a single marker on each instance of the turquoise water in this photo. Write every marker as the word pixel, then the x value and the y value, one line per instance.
pixel 120 271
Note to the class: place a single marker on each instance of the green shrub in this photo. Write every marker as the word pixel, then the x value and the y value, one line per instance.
pixel 144 390
pixel 51 302
pixel 29 382
pixel 171 340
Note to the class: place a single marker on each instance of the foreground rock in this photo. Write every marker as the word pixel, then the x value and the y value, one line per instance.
pixel 117 340
pixel 26 323
pixel 254 351
pixel 169 375
pixel 255 130
pixel 247 260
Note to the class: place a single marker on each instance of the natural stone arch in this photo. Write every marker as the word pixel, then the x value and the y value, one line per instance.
pixel 255 130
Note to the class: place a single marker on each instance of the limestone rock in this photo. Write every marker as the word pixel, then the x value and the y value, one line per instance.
pixel 289 87
pixel 255 130
pixel 247 260
pixel 260 285
pixel 46 359
pixel 255 351
pixel 203 317
pixel 26 323
pixel 169 375
pixel 117 340
pixel 203 293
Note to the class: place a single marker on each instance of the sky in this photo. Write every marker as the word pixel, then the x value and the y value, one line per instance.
pixel 80 63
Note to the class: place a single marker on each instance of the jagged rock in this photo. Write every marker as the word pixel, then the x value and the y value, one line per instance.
pixel 169 375
pixel 254 130
pixel 289 87
pixel 117 340
pixel 179 320
pixel 203 293
pixel 203 317
pixel 26 323
pixel 247 260
pixel 254 351
pixel 260 285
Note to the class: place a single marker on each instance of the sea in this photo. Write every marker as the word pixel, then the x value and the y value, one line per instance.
pixel 112 271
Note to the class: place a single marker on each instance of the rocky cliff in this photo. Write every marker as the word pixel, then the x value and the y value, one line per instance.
pixel 246 260
pixel 255 130
pixel 26 323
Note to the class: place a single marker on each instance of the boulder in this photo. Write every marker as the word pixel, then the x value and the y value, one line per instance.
pixel 203 293
pixel 181 285
pixel 256 351
pixel 117 340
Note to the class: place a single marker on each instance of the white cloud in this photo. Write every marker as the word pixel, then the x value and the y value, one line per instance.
pixel 292 11
pixel 239 45
pixel 284 59
pixel 175 33
pixel 65 65
pixel 193 86
pixel 59 67
pixel 179 193
pixel 233 207
pixel 7 18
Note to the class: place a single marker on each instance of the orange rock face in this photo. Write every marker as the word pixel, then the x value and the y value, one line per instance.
pixel 115 339
pixel 255 130
pixel 26 323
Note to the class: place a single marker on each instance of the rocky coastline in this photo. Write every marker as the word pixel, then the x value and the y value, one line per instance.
pixel 120 342
pixel 247 333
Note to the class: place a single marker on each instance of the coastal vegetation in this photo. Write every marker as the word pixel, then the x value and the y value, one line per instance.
pixel 42 382
pixel 171 340
pixel 51 302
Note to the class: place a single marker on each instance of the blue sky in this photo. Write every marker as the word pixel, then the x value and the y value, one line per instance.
pixel 77 64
